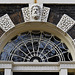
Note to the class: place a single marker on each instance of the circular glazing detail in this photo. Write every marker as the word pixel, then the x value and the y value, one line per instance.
pixel 35 46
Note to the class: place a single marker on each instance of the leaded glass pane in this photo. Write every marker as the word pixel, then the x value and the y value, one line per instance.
pixel 34 46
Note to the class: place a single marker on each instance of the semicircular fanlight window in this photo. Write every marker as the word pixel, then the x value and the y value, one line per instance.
pixel 34 46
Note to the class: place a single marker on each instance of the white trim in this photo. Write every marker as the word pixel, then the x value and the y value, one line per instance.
pixel 63 72
pixel 38 67
pixel 39 1
pixel 57 1
pixel 16 1
pixel 74 41
pixel 7 72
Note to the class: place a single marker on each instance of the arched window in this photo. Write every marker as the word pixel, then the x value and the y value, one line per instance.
pixel 31 46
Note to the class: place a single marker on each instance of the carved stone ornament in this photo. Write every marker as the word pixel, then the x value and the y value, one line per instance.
pixel 45 13
pixel 5 23
pixel 26 14
pixel 35 12
pixel 65 23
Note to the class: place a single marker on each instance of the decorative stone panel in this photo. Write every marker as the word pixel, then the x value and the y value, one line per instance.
pixel 5 23
pixel 65 23
pixel 26 14
pixel 45 13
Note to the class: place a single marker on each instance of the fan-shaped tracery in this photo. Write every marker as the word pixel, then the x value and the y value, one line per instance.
pixel 37 46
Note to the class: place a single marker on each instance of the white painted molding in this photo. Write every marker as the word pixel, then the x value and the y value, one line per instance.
pixel 56 1
pixel 16 1
pixel 8 72
pixel 74 41
pixel 68 66
pixel 5 66
pixel 65 23
pixel 6 23
pixel 63 72
pixel 37 67
pixel 39 1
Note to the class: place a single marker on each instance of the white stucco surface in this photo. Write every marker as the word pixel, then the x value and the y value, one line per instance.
pixel 39 1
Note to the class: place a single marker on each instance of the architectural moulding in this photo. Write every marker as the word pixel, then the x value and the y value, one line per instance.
pixel 39 67
pixel 74 41
pixel 41 26
pixel 36 68
pixel 39 1
pixel 6 64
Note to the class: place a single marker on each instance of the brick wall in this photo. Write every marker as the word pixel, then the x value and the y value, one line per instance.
pixel 56 12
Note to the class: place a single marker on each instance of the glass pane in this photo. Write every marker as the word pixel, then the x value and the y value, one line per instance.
pixel 36 45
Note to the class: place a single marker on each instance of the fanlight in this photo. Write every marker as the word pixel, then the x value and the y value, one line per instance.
pixel 35 46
